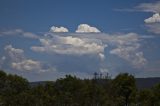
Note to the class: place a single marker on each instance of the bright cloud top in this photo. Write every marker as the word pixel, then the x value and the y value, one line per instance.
pixel 58 29
pixel 70 46
pixel 154 19
pixel 153 23
pixel 85 28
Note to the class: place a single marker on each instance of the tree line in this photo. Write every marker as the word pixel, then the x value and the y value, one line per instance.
pixel 72 91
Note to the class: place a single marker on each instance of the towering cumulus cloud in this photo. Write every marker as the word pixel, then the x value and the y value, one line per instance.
pixel 84 28
pixel 58 29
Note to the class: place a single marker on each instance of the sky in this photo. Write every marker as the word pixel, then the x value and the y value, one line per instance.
pixel 46 39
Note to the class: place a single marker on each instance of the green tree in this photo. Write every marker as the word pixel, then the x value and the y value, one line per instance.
pixel 156 92
pixel 145 97
pixel 123 86
pixel 13 87
pixel 68 90
pixel 3 77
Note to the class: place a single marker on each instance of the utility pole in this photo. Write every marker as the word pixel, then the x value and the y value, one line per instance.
pixel 101 75
pixel 95 75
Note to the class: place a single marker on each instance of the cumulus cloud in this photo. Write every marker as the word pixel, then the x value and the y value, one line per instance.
pixel 126 46
pixel 27 65
pixel 153 7
pixel 14 54
pixel 18 32
pixel 128 53
pixel 155 18
pixel 153 23
pixel 18 61
pixel 71 46
pixel 58 29
pixel 85 28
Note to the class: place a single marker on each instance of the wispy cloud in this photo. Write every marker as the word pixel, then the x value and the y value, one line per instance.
pixel 149 7
pixel 153 7
pixel 18 32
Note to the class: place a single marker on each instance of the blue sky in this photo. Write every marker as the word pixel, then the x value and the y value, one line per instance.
pixel 44 40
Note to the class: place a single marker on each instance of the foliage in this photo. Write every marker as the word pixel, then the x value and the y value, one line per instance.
pixel 124 86
pixel 72 91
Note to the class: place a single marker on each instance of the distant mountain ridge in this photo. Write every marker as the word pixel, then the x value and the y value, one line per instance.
pixel 147 82
pixel 141 83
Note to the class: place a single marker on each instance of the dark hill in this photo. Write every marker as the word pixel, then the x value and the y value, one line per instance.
pixel 141 83
pixel 147 82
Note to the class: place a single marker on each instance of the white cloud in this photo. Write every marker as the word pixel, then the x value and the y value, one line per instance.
pixel 154 19
pixel 126 46
pixel 14 54
pixel 70 45
pixel 123 39
pixel 58 29
pixel 102 56
pixel 30 35
pixel 84 28
pixel 104 70
pixel 128 53
pixel 153 23
pixel 27 65
pixel 149 7
pixel 18 32
pixel 17 60
pixel 12 32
